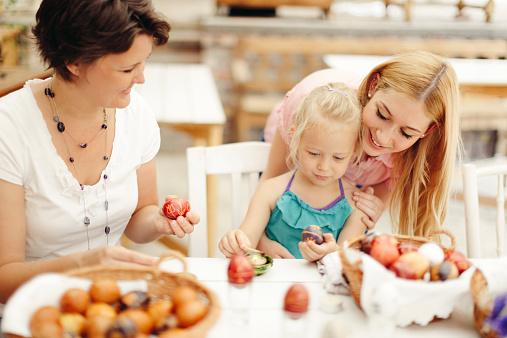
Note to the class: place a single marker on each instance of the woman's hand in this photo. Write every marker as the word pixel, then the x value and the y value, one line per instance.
pixel 369 204
pixel 114 256
pixel 273 248
pixel 234 242
pixel 312 251
pixel 178 227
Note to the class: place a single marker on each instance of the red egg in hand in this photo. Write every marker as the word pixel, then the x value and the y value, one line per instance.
pixel 175 207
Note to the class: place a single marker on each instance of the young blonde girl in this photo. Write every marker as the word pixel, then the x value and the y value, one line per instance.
pixel 325 139
pixel 410 140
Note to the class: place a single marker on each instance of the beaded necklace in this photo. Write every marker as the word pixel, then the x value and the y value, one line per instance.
pixel 60 127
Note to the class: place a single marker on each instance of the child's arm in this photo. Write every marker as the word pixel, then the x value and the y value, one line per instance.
pixel 238 241
pixel 353 228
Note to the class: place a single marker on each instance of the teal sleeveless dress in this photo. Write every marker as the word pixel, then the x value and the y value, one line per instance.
pixel 291 215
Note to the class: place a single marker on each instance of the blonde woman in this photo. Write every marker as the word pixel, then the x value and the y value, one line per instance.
pixel 410 138
pixel 324 141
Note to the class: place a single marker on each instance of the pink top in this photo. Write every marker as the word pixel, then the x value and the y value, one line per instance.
pixel 370 171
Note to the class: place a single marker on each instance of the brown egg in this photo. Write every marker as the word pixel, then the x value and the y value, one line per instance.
pixel 411 265
pixel 173 333
pixel 141 319
pixel 444 271
pixel 97 326
pixel 74 300
pixel 104 291
pixel 183 294
pixel 166 323
pixel 459 259
pixel 134 300
pixel 190 312
pixel 47 330
pixel 73 323
pixel 159 309
pixel 46 314
pixel 296 300
pixel 100 309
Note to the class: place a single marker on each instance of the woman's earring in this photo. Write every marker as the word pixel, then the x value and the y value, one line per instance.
pixel 369 95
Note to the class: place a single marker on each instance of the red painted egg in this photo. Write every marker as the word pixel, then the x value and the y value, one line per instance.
pixel 175 207
pixel 240 270
pixel 296 300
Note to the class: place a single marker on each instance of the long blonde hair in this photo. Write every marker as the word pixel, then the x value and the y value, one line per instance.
pixel 331 103
pixel 423 173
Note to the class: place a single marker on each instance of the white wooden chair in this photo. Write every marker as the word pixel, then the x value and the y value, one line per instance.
pixel 471 174
pixel 241 161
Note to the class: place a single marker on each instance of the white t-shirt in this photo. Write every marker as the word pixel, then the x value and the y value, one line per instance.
pixel 53 200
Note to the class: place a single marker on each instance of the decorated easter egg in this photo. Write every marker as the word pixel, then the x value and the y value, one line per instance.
pixel 444 271
pixel 462 263
pixel 411 265
pixel 296 300
pixel 240 270
pixel 384 249
pixel 312 233
pixel 433 252
pixel 175 207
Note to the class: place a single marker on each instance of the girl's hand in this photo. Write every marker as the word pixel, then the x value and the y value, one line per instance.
pixel 273 248
pixel 180 226
pixel 114 256
pixel 369 204
pixel 313 252
pixel 234 242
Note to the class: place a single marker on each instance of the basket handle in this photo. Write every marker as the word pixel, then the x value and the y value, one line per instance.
pixel 442 231
pixel 173 254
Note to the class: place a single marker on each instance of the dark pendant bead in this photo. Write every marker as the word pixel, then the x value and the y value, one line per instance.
pixel 83 145
pixel 106 158
pixel 49 92
pixel 104 126
pixel 81 186
pixel 71 159
pixel 86 221
pixel 107 230
pixel 106 177
pixel 60 126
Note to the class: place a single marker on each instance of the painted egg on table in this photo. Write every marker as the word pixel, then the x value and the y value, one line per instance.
pixel 312 233
pixel 175 207
pixel 240 270
pixel 296 300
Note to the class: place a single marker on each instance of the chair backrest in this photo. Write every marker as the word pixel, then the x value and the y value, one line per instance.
pixel 471 174
pixel 243 162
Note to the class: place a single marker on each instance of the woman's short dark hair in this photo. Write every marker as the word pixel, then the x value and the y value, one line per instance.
pixel 67 31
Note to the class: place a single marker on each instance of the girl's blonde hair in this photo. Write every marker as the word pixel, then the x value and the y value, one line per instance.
pixel 331 103
pixel 423 173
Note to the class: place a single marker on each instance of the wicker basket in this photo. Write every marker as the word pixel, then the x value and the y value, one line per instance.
pixel 160 283
pixel 483 303
pixel 353 272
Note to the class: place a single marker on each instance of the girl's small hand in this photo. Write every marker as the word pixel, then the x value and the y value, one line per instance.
pixel 370 204
pixel 273 248
pixel 179 227
pixel 313 252
pixel 234 242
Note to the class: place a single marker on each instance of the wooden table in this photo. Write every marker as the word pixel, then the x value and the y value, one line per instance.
pixel 266 318
pixel 185 97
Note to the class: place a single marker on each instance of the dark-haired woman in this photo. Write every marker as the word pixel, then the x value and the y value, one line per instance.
pixel 77 150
